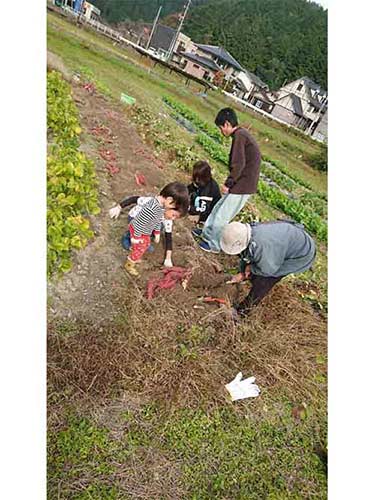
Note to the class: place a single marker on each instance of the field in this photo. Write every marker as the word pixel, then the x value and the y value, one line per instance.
pixel 136 401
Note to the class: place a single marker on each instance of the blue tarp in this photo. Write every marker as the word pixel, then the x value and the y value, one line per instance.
pixel 78 5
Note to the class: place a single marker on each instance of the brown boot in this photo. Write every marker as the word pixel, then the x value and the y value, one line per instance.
pixel 130 267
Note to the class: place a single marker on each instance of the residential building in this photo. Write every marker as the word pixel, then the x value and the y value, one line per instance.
pixel 249 87
pixel 162 40
pixel 90 11
pixel 303 103
pixel 222 58
pixel 208 61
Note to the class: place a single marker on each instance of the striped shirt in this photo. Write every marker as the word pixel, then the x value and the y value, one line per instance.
pixel 149 218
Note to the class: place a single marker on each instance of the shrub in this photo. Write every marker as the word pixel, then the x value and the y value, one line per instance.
pixel 319 160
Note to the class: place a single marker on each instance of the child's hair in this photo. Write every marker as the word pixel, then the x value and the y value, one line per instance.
pixel 202 173
pixel 226 115
pixel 180 194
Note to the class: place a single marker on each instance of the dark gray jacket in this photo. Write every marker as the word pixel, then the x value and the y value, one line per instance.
pixel 278 248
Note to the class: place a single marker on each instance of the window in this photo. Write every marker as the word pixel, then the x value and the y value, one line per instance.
pixel 181 47
pixel 196 66
pixel 258 103
pixel 300 86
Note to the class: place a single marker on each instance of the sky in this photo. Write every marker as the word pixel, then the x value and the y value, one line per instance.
pixel 323 3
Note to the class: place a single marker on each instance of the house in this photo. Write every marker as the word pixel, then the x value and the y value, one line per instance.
pixel 199 66
pixel 222 58
pixel 90 11
pixel 162 40
pixel 321 130
pixel 208 62
pixel 303 103
pixel 249 87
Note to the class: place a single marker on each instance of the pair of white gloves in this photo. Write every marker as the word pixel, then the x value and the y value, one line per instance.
pixel 115 212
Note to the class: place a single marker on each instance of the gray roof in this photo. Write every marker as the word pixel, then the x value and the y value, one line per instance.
pixel 262 94
pixel 312 85
pixel 162 37
pixel 296 102
pixel 203 61
pixel 254 78
pixel 221 54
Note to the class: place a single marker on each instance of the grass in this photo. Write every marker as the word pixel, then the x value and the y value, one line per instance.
pixel 221 454
pixel 141 412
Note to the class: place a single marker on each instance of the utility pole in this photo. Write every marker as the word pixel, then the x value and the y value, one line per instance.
pixel 174 40
pixel 153 28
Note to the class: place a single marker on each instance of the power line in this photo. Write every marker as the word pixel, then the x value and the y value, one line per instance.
pixel 174 40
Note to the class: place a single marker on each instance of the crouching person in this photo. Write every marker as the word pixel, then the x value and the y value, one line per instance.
pixel 268 252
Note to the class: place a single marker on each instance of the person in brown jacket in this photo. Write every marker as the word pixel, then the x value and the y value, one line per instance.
pixel 242 181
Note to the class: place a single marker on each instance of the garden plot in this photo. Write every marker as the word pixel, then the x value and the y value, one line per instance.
pixel 137 405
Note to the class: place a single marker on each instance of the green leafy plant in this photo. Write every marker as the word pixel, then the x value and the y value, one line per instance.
pixel 71 180
pixel 187 113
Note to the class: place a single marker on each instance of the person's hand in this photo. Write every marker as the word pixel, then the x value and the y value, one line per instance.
pixel 247 271
pixel 225 190
pixel 115 212
pixel 237 278
pixel 168 263
pixel 157 238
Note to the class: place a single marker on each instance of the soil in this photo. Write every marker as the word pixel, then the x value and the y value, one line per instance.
pixel 96 287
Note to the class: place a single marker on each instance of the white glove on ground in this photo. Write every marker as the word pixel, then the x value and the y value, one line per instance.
pixel 241 389
pixel 168 263
pixel 157 238
pixel 115 212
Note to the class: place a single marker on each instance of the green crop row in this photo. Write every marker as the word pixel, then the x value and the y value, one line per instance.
pixel 71 179
pixel 216 151
pixel 293 176
pixel 300 213
pixel 294 208
pixel 187 113
pixel 278 177
pixel 315 202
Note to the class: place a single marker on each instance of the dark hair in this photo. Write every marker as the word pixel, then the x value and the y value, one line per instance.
pixel 180 194
pixel 226 115
pixel 201 173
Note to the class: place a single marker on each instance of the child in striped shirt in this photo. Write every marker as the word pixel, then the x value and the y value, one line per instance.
pixel 147 218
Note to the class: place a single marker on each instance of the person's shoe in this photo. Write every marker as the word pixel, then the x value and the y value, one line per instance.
pixel 151 248
pixel 130 267
pixel 126 242
pixel 197 232
pixel 243 309
pixel 203 245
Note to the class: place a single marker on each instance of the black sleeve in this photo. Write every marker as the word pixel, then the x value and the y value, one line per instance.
pixel 191 188
pixel 193 191
pixel 168 241
pixel 129 200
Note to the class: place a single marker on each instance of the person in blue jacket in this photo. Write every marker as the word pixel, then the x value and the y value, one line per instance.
pixel 268 252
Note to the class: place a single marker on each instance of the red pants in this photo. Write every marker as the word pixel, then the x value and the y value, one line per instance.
pixel 139 245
